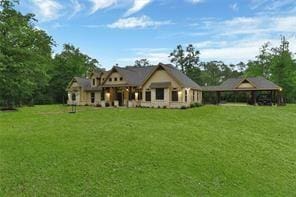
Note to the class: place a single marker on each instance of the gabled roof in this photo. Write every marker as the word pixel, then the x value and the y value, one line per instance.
pixel 137 76
pixel 84 83
pixel 180 77
pixel 232 84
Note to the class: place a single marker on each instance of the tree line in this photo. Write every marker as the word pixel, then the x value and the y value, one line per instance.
pixel 31 74
pixel 277 64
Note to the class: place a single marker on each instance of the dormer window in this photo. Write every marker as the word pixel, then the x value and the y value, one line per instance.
pixel 94 82
pixel 115 79
pixel 110 79
pixel 120 78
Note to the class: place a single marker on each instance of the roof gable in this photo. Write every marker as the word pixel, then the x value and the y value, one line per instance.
pixel 82 82
pixel 177 75
pixel 245 84
pixel 254 83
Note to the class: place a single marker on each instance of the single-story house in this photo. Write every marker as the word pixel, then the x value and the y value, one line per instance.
pixel 161 85
pixel 252 87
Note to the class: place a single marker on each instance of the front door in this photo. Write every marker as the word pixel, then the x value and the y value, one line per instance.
pixel 120 98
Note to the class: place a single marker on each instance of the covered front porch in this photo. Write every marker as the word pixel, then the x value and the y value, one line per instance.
pixel 120 96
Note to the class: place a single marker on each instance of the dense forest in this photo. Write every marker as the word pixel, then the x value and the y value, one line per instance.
pixel 31 74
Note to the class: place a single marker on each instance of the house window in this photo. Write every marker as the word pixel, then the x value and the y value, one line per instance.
pixel 193 95
pixel 99 80
pixel 115 79
pixel 92 96
pixel 186 95
pixel 73 97
pixel 110 79
pixel 174 95
pixel 159 93
pixel 120 78
pixel 148 96
pixel 94 82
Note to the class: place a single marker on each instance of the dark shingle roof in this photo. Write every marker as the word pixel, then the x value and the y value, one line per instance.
pixel 231 84
pixel 183 79
pixel 136 76
pixel 83 82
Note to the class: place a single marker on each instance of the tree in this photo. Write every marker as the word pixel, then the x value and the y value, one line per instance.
pixel 25 53
pixel 283 70
pixel 278 65
pixel 212 73
pixel 142 63
pixel 185 60
pixel 261 66
pixel 68 64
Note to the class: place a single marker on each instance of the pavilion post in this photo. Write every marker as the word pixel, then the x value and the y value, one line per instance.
pixel 254 100
pixel 218 100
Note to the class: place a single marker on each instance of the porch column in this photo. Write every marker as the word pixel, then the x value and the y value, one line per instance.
pixel 218 94
pixel 254 97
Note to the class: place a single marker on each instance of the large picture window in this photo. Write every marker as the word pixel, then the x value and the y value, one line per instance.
pixel 159 93
pixel 147 96
pixel 92 97
pixel 174 95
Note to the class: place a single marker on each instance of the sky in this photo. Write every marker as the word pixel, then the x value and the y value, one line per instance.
pixel 122 31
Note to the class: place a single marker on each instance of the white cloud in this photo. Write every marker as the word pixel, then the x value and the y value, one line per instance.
pixel 76 6
pixel 234 7
pixel 195 1
pixel 235 51
pixel 154 55
pixel 248 25
pixel 240 38
pixel 272 5
pixel 137 22
pixel 101 4
pixel 47 9
pixel 137 6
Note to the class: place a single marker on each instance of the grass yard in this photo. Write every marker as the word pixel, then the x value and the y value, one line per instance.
pixel 207 151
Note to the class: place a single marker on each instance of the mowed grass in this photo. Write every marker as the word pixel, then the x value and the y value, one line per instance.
pixel 207 151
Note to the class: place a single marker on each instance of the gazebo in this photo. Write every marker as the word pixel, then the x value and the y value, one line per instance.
pixel 251 87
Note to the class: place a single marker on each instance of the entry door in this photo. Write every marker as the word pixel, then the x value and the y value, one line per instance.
pixel 119 98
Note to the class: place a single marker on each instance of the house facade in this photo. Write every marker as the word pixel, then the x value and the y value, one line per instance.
pixel 161 85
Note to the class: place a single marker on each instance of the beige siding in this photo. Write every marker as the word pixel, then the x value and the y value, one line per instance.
pixel 113 76
pixel 158 77
pixel 245 85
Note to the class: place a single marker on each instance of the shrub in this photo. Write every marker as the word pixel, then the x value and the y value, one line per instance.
pixel 164 107
pixel 183 107
pixel 192 105
pixel 107 104
pixel 98 105
pixel 86 105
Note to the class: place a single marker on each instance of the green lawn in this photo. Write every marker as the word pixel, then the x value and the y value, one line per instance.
pixel 207 151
